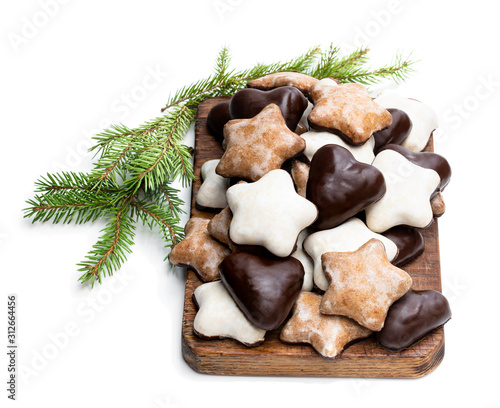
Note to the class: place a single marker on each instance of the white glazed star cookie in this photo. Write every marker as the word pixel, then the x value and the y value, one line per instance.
pixel 316 140
pixel 407 198
pixel 305 261
pixel 212 192
pixel 269 213
pixel 219 316
pixel 423 117
pixel 347 237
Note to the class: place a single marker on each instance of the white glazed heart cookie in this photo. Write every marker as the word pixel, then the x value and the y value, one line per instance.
pixel 269 213
pixel 423 118
pixel 219 316
pixel 212 192
pixel 348 236
pixel 408 194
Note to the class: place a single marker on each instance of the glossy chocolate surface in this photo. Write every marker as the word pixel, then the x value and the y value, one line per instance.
pixel 217 118
pixel 426 160
pixel 413 316
pixel 409 241
pixel 265 288
pixel 396 132
pixel 249 102
pixel 340 186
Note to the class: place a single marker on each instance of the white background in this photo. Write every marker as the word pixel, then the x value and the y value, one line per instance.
pixel 67 71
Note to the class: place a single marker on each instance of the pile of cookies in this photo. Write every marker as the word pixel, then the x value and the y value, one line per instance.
pixel 319 198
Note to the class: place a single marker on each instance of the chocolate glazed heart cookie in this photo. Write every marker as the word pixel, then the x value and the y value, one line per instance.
pixel 217 118
pixel 340 186
pixel 264 287
pixel 412 317
pixel 247 103
pixel 396 132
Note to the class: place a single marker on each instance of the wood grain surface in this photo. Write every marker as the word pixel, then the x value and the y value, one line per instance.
pixel 274 358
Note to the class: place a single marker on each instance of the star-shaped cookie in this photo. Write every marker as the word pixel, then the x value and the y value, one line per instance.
pixel 328 335
pixel 363 284
pixel 407 198
pixel 212 192
pixel 199 250
pixel 348 236
pixel 219 316
pixel 423 118
pixel 269 213
pixel 301 81
pixel 346 110
pixel 258 145
pixel 316 140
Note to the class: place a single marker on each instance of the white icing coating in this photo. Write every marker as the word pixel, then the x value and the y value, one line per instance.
pixel 212 192
pixel 324 86
pixel 269 213
pixel 347 237
pixel 315 140
pixel 219 316
pixel 423 118
pixel 306 262
pixel 306 113
pixel 407 199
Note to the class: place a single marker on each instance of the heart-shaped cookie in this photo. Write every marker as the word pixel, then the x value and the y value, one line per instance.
pixel 396 132
pixel 340 186
pixel 409 241
pixel 412 317
pixel 247 103
pixel 217 118
pixel 264 287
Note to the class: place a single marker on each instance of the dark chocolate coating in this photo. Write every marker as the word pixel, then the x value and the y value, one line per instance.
pixel 409 241
pixel 340 186
pixel 413 316
pixel 265 288
pixel 217 118
pixel 426 160
pixel 396 132
pixel 249 102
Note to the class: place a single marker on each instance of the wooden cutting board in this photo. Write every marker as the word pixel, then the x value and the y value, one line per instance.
pixel 274 358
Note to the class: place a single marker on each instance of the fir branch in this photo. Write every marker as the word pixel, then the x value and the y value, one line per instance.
pixel 108 254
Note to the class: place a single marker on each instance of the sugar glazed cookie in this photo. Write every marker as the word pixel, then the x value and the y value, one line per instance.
pixel 219 317
pixel 300 81
pixel 347 237
pixel 199 250
pixel 328 335
pixel 362 284
pixel 346 110
pixel 256 146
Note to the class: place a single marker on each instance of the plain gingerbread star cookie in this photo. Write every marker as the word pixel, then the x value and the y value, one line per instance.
pixel 212 192
pixel 347 237
pixel 407 198
pixel 199 250
pixel 258 145
pixel 363 284
pixel 219 317
pixel 269 213
pixel 328 335
pixel 300 81
pixel 346 110
pixel 422 116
